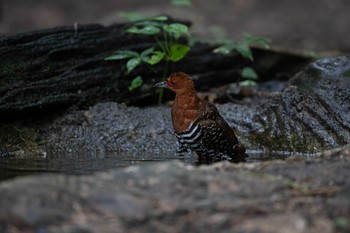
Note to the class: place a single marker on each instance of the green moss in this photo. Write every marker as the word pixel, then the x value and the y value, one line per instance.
pixel 291 143
pixel 18 137
pixel 347 73
pixel 342 222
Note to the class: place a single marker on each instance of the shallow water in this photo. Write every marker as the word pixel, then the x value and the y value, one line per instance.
pixel 78 163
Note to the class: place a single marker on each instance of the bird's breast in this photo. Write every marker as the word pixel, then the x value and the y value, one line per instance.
pixel 184 111
pixel 183 118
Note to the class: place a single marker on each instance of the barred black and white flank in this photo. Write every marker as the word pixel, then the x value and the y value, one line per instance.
pixel 210 137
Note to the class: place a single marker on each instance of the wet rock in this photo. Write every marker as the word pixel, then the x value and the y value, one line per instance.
pixel 114 127
pixel 310 115
pixel 272 196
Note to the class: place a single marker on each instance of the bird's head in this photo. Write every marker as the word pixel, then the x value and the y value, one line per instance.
pixel 178 82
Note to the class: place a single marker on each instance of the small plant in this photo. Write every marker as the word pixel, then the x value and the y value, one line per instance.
pixel 250 77
pixel 243 48
pixel 168 48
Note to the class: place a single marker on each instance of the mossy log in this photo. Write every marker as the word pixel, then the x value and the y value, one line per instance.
pixel 52 69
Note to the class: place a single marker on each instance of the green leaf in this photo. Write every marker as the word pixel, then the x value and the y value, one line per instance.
pixel 245 51
pixel 257 41
pixel 187 3
pixel 176 29
pixel 145 54
pixel 247 83
pixel 242 47
pixel 122 54
pixel 135 83
pixel 133 63
pixel 160 18
pixel 147 30
pixel 222 49
pixel 226 48
pixel 263 43
pixel 249 73
pixel 177 52
pixel 156 57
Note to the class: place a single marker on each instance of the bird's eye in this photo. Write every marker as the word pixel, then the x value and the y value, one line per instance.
pixel 170 82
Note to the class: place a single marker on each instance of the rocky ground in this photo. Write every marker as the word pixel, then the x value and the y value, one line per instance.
pixel 297 195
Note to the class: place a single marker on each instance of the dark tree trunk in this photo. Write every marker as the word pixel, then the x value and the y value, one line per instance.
pixel 55 68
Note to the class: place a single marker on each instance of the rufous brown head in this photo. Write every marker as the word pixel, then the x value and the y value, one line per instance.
pixel 178 82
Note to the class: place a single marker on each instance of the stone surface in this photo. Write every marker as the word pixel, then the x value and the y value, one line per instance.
pixel 297 195
pixel 309 116
pixel 113 127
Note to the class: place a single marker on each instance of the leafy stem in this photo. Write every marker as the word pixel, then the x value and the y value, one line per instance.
pixel 167 49
pixel 243 48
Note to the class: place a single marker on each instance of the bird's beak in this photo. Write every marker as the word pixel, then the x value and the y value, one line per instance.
pixel 161 84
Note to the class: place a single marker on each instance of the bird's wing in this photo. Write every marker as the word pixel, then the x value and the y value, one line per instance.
pixel 210 118
pixel 217 135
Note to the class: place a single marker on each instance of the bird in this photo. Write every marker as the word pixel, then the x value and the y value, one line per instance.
pixel 198 125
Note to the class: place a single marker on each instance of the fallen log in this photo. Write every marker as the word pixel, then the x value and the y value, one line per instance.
pixel 51 69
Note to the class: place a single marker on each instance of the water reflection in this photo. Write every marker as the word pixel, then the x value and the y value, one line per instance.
pixel 87 162
pixel 76 163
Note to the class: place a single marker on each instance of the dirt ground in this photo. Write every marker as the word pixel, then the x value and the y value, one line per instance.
pixel 311 25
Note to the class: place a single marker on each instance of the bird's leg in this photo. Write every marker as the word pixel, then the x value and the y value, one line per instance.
pixel 203 159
